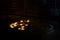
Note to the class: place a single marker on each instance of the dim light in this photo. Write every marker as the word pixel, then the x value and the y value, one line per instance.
pixel 15 24
pixel 28 21
pixel 21 24
pixel 22 27
pixel 26 24
pixel 11 25
pixel 21 20
pixel 19 28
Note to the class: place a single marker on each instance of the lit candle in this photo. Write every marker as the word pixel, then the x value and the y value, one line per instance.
pixel 21 20
pixel 11 25
pixel 22 28
pixel 21 24
pixel 26 24
pixel 19 28
pixel 28 21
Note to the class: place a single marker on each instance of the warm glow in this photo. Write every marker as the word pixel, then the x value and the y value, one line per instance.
pixel 19 28
pixel 21 24
pixel 28 21
pixel 11 25
pixel 26 24
pixel 21 21
pixel 22 28
pixel 15 24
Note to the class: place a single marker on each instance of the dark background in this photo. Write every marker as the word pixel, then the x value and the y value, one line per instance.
pixel 41 12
